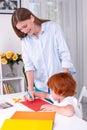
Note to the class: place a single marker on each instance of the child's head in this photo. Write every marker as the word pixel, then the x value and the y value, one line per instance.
pixel 62 84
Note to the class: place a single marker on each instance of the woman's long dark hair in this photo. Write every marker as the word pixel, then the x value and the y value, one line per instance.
pixel 22 14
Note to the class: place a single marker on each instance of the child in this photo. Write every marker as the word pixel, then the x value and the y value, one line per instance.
pixel 63 89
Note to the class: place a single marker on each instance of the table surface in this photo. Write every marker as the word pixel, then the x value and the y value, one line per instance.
pixel 60 122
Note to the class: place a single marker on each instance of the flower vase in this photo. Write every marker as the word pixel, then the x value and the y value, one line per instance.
pixel 11 71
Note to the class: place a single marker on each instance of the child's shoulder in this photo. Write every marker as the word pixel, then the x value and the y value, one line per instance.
pixel 70 100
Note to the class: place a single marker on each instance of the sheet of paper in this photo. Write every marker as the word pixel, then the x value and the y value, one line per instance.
pixel 33 115
pixel 34 105
pixel 18 124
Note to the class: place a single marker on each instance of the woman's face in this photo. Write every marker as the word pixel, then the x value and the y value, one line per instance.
pixel 26 26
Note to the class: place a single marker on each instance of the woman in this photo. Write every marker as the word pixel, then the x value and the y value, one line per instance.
pixel 44 49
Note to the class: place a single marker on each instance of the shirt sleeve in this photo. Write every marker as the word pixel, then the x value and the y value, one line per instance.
pixel 74 102
pixel 62 49
pixel 26 59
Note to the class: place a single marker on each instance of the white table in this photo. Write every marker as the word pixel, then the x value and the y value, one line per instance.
pixel 60 123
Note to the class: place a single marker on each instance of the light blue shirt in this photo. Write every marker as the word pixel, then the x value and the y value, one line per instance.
pixel 46 55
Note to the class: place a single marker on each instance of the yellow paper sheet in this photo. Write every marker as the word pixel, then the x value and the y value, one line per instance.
pixel 16 124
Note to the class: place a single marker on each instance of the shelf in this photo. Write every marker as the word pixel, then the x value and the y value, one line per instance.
pixel 17 82
pixel 11 78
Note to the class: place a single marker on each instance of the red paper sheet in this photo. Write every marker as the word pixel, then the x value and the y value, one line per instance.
pixel 34 105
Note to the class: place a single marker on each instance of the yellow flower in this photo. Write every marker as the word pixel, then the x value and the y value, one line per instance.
pixel 9 55
pixel 2 55
pixel 10 58
pixel 4 61
pixel 15 57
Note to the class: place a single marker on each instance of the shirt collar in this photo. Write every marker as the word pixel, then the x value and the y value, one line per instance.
pixel 43 26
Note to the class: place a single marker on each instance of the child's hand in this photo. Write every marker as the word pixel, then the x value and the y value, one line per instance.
pixel 27 97
pixel 47 107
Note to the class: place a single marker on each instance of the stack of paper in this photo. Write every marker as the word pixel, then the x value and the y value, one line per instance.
pixel 25 120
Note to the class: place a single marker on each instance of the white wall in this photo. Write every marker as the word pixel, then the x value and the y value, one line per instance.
pixel 8 39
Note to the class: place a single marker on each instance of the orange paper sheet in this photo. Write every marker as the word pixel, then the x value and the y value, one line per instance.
pixel 33 115
pixel 34 105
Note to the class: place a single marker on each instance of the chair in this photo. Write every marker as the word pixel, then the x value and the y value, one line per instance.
pixel 81 96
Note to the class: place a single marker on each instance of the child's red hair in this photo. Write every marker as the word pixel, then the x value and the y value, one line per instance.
pixel 62 84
